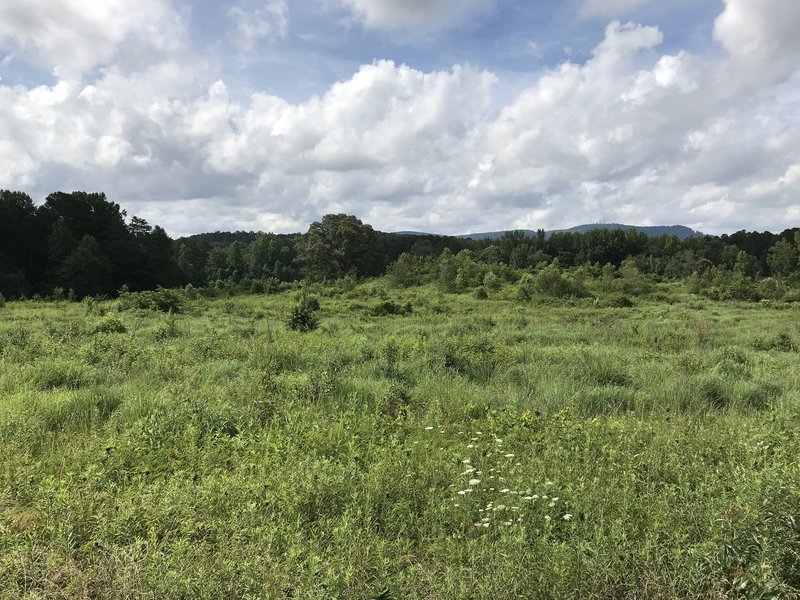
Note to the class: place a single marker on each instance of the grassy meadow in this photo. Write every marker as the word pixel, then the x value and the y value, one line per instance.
pixel 416 445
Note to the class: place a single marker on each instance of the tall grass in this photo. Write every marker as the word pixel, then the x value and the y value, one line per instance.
pixel 457 448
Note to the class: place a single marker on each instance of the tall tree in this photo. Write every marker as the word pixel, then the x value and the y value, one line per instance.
pixel 782 258
pixel 87 270
pixel 21 243
pixel 338 245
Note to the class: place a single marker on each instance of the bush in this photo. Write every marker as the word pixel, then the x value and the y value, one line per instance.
pixel 302 318
pixel 109 323
pixel 525 288
pixel 389 308
pixel 481 293
pixel 311 302
pixel 613 301
pixel 491 281
pixel 551 282
pixel 2 300
pixel 160 299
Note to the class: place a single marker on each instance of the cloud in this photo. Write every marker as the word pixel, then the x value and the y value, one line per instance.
pixel 630 134
pixel 270 20
pixel 71 37
pixel 760 37
pixel 404 14
pixel 609 8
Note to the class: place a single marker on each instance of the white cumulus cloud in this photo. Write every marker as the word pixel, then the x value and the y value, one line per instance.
pixel 70 37
pixel 631 134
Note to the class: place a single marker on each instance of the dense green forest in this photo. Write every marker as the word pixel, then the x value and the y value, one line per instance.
pixel 82 244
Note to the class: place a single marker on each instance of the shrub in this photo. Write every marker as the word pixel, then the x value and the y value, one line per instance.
pixel 491 281
pixel 2 300
pixel 481 293
pixel 525 288
pixel 312 302
pixel 614 301
pixel 770 289
pixel 302 318
pixel 109 323
pixel 551 282
pixel 160 299
pixel 389 308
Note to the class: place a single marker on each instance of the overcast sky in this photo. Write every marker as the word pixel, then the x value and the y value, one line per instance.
pixel 437 115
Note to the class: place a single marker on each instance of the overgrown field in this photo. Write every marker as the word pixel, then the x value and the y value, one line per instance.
pixel 415 445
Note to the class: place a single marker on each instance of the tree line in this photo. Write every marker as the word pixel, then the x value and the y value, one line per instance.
pixel 82 244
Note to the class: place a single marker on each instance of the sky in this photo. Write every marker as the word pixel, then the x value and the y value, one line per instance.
pixel 444 116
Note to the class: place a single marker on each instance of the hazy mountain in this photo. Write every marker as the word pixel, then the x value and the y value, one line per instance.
pixel 680 231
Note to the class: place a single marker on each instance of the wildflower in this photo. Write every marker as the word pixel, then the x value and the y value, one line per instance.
pixel 470 445
pixel 486 525
pixel 474 481
pixel 567 517
pixel 466 461
pixel 508 523
pixel 509 455
pixel 504 491
pixel 428 428
pixel 547 518
pixel 462 493
pixel 478 433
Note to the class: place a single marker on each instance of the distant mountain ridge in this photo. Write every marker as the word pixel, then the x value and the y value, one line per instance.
pixel 680 231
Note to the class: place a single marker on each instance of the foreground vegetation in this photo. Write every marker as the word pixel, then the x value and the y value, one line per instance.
pixel 410 444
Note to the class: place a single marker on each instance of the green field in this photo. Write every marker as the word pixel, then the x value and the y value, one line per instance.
pixel 465 448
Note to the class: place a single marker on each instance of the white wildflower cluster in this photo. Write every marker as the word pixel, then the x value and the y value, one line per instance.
pixel 489 479
pixel 488 483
